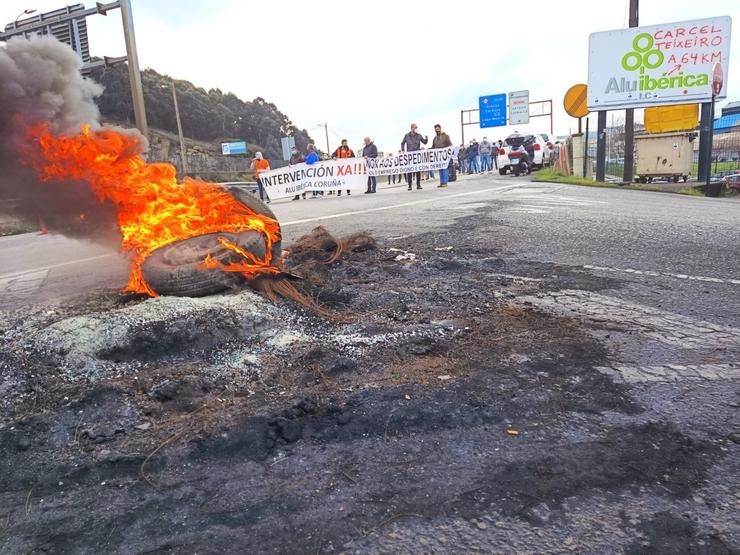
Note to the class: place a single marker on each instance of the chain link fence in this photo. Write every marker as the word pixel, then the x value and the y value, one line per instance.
pixel 725 150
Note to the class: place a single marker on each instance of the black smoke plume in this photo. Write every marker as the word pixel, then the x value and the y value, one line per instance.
pixel 40 81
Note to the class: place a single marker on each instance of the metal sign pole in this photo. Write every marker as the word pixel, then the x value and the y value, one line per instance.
pixel 709 192
pixel 462 127
pixel 137 92
pixel 585 149
pixel 629 114
pixel 601 146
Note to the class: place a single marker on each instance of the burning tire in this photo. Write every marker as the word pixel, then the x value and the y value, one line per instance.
pixel 177 269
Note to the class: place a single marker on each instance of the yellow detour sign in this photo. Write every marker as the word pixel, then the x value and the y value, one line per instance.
pixel 662 119
pixel 575 101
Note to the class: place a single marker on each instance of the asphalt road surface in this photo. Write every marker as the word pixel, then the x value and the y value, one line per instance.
pixel 690 242
pixel 557 372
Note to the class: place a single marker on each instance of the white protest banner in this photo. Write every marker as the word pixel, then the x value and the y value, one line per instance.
pixel 350 173
pixel 330 175
pixel 411 162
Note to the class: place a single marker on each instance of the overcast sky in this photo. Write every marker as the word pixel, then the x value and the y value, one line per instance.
pixel 373 68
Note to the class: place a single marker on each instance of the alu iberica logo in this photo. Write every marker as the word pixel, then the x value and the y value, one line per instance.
pixel 644 58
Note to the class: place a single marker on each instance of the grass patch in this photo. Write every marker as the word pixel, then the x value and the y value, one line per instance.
pixel 551 176
pixel 691 191
pixel 717 167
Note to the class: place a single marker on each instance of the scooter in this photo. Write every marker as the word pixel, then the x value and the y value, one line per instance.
pixel 520 160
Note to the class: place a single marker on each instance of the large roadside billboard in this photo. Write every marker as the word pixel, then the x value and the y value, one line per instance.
pixel 657 65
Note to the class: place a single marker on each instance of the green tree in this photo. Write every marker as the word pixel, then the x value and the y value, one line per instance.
pixel 206 115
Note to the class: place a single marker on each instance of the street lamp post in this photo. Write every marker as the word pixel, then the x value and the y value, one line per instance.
pixel 27 11
pixel 326 131
pixel 183 152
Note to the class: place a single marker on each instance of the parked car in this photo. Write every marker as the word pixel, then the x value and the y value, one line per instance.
pixel 550 140
pixel 541 151
pixel 535 145
pixel 504 164
pixel 733 181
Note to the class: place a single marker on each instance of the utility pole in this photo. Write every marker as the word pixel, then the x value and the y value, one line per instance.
pixel 326 130
pixel 629 115
pixel 183 152
pixel 134 75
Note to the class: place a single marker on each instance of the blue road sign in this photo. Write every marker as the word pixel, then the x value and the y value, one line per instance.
pixel 239 147
pixel 492 110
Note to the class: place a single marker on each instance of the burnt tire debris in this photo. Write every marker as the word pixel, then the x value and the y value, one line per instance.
pixel 177 268
pixel 389 431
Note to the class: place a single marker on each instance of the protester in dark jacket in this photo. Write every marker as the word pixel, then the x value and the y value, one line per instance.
pixel 370 151
pixel 472 154
pixel 412 142
pixel 441 140
pixel 462 159
pixel 296 158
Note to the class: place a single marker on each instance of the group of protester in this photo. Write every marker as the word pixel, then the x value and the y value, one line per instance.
pixel 476 158
pixel 479 157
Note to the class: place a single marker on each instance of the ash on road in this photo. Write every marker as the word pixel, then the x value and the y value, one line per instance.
pixel 538 377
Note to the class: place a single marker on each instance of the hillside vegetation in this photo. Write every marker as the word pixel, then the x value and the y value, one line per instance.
pixel 211 115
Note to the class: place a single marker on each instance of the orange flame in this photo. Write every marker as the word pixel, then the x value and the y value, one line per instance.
pixel 249 269
pixel 154 210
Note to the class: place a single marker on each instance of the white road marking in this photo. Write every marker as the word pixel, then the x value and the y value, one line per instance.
pixel 547 196
pixel 52 266
pixel 671 372
pixel 294 222
pixel 516 278
pixel 620 315
pixel 23 283
pixel 543 202
pixel 524 209
pixel 663 274
pixel 401 205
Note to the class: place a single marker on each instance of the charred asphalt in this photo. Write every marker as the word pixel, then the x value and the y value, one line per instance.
pixel 542 369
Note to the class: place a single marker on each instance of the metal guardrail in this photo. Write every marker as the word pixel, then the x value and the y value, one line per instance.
pixel 250 186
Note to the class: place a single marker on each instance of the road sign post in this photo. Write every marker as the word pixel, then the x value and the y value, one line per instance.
pixel 585 152
pixel 601 146
pixel 467 117
pixel 712 189
pixel 574 103
pixel 233 148
pixel 492 110
pixel 657 65
pixel 518 107
pixel 287 144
